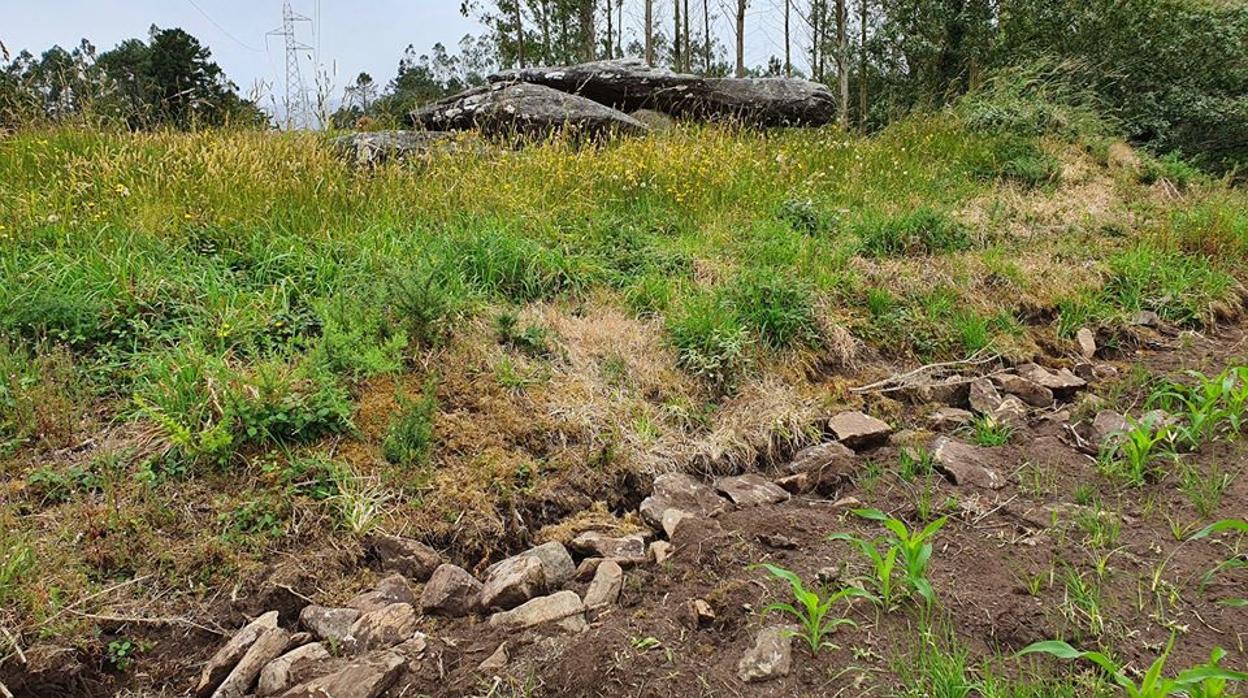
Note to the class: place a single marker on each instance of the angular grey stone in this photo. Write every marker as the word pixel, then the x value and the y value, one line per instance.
pixel 408 557
pixel 672 519
pixel 832 455
pixel 771 657
pixel 964 464
pixel 294 667
pixel 451 591
pixel 660 551
pixel 606 587
pixel 365 677
pixel 1108 428
pixel 497 661
pixel 1087 343
pixel 219 666
pixel 1028 391
pixel 328 624
pixel 948 418
pixel 376 147
pixel 750 490
pixel 520 109
pixel 269 646
pixel 1011 412
pixel 596 544
pixel 512 582
pixel 983 396
pixel 858 431
pixel 391 590
pixel 680 491
pixel 563 607
pixel 1062 382
pixel 1146 318
pixel 382 628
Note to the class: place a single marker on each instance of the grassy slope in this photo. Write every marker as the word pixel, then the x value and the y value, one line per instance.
pixel 217 343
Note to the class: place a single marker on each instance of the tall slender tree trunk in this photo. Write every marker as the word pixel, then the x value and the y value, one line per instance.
pixel 519 35
pixel 610 32
pixel 706 34
pixel 788 57
pixel 649 31
pixel 677 52
pixel 545 31
pixel 816 42
pixel 741 5
pixel 862 66
pixel 688 43
pixel 619 29
pixel 842 61
pixel 587 29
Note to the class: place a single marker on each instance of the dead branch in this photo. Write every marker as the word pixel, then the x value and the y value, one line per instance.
pixel 929 375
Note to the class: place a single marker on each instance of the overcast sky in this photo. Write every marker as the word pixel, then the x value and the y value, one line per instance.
pixel 352 35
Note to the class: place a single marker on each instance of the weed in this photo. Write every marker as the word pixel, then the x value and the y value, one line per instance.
pixel 989 431
pixel 915 462
pixel 360 504
pixel 913 549
pixel 710 339
pixel 1207 680
pixel 919 232
pixel 410 435
pixel 810 608
pixel 779 311
pixel 532 340
pixel 1231 563
pixel 1204 489
pixel 120 653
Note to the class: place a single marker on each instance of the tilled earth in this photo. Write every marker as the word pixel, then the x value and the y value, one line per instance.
pixel 1058 551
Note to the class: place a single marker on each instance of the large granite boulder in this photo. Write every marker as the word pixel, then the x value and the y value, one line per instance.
pixel 629 84
pixel 524 110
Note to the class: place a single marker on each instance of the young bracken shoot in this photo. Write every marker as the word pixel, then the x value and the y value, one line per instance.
pixel 1206 680
pixel 913 549
pixel 811 608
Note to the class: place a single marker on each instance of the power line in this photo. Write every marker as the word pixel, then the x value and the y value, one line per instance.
pixel 222 29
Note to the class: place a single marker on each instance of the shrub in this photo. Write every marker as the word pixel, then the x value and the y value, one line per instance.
pixel 427 300
pixel 531 340
pixel 919 232
pixel 410 435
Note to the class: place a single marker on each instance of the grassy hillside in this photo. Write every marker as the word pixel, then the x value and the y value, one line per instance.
pixel 223 346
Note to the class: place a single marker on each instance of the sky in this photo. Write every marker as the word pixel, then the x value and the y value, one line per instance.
pixel 351 35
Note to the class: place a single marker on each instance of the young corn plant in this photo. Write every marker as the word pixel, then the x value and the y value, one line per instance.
pixel 810 608
pixel 1207 680
pixel 907 552
pixel 1235 562
pixel 1131 457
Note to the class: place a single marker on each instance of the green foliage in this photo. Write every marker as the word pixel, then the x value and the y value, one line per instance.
pixel 710 339
pixel 256 519
pixel 1021 160
pixel 427 301
pixel 1132 455
pixel 120 653
pixel 912 549
pixel 914 463
pixel 811 608
pixel 1032 99
pixel 1231 563
pixel 410 435
pixel 989 431
pixel 54 486
pixel 531 340
pixel 778 310
pixel 1207 680
pixel 920 232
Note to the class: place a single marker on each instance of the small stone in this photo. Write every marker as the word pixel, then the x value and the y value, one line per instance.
pixel 795 484
pixel 563 607
pixel 660 551
pixel 606 587
pixel 1087 343
pixel 829 455
pixel 828 576
pixel 672 519
pixel 1103 372
pixel 1108 428
pixel 598 544
pixel 1029 392
pixel 294 667
pixel 328 624
pixel 557 564
pixel 366 677
pixel 1146 318
pixel 512 582
pixel 383 628
pixel 408 557
pixel 1062 382
pixel 983 396
pixel 450 591
pixel 859 431
pixel 269 646
pixel 391 590
pixel 1011 412
pixel 413 647
pixel 847 503
pixel 701 613
pixel 219 666
pixel 496 661
pixel 588 568
pixel 680 491
pixel 949 418
pixel 964 464
pixel 777 541
pixel 771 657
pixel 750 490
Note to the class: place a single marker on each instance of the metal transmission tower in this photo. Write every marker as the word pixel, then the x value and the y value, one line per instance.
pixel 296 93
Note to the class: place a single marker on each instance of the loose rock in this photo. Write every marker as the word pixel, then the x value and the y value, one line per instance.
pixel 219 666
pixel 1063 383
pixel 594 543
pixel 563 608
pixel 328 624
pixel 680 491
pixel 672 519
pixel 383 628
pixel 660 551
pixel 294 667
pixel 964 464
pixel 496 661
pixel 391 590
pixel 378 147
pixel 1087 343
pixel 750 490
pixel 948 418
pixel 606 587
pixel 408 557
pixel 771 657
pixel 557 564
pixel 983 396
pixel 366 677
pixel 269 646
pixel 1029 392
pixel 512 582
pixel 830 455
pixel 701 614
pixel 859 431
pixel 451 591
